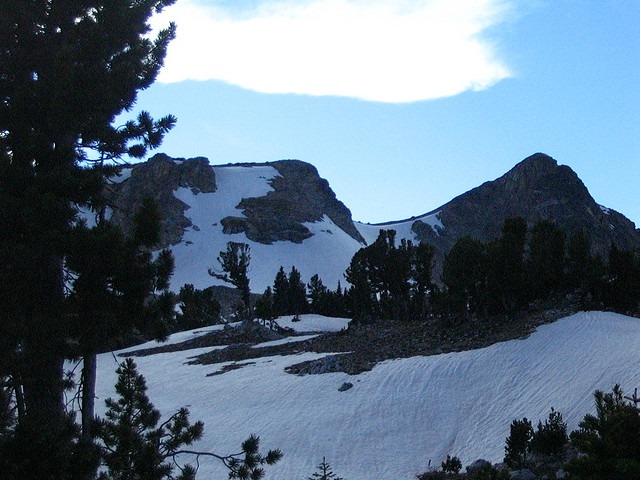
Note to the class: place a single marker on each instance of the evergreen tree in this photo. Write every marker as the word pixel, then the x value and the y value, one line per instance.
pixel 506 290
pixel 198 308
pixel 117 290
pixel 585 272
pixel 451 465
pixel 623 286
pixel 264 305
pixel 68 69
pixel 518 444
pixel 550 437
pixel 324 472
pixel 463 274
pixel 234 263
pixel 422 285
pixel 546 263
pixel 281 293
pixel 135 447
pixel 249 465
pixel 390 281
pixel 609 441
pixel 297 293
pixel 362 295
pixel 318 295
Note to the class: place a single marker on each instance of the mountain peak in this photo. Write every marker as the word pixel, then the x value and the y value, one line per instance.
pixel 536 189
pixel 536 165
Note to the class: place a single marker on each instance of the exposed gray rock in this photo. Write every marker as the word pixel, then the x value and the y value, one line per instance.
pixel 524 474
pixel 345 386
pixel 536 189
pixel 158 178
pixel 478 464
pixel 299 196
pixel 561 474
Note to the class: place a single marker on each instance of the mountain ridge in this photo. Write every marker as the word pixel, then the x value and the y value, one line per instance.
pixel 290 216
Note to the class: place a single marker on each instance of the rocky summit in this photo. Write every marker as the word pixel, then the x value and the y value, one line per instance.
pixel 289 215
pixel 535 189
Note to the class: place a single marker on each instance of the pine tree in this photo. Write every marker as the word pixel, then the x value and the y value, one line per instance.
pixel 234 263
pixel 135 447
pixel 518 444
pixel 281 296
pixel 463 273
pixel 249 465
pixel 68 69
pixel 389 281
pixel 623 286
pixel 317 294
pixel 451 465
pixel 550 437
pixel 264 305
pixel 297 293
pixel 117 289
pixel 609 441
pixel 198 308
pixel 506 290
pixel 546 263
pixel 324 472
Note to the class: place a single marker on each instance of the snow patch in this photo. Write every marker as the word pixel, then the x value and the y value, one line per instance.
pixel 125 174
pixel 402 413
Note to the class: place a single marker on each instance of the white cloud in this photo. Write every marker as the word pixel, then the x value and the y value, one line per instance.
pixel 378 50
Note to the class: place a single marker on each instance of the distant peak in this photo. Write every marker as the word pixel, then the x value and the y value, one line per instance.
pixel 538 161
pixel 535 166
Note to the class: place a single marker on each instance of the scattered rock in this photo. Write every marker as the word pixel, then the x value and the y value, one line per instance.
pixel 479 464
pixel 524 474
pixel 345 386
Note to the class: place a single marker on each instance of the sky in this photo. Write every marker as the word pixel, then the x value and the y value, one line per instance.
pixel 404 104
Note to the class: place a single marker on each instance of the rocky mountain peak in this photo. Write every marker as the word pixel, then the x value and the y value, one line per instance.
pixel 299 196
pixel 535 189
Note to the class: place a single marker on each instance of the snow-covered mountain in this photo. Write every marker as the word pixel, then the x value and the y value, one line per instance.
pixel 289 215
pixel 403 413
pixel 204 207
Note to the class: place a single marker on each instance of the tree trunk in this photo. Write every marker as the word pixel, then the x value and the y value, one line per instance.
pixel 43 359
pixel 88 393
pixel 43 386
pixel 19 394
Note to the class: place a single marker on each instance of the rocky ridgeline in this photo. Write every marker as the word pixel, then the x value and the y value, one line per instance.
pixel 299 196
pixel 158 178
pixel 536 189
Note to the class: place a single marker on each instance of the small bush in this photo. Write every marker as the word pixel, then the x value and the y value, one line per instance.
pixel 550 437
pixel 451 464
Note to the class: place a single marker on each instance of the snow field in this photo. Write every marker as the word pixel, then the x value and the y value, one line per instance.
pixel 404 412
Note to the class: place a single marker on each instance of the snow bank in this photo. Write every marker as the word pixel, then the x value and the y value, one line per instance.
pixel 404 412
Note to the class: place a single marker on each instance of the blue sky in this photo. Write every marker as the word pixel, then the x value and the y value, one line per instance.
pixel 404 104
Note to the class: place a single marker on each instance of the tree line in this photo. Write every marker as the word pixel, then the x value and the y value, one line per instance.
pixel 523 267
pixel 605 446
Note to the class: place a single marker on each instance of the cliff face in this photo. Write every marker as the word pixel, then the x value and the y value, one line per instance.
pixel 536 189
pixel 299 196
pixel 289 214
pixel 158 178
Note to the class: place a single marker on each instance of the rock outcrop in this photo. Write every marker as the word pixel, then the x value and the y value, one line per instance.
pixel 158 178
pixel 299 196
pixel 536 189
